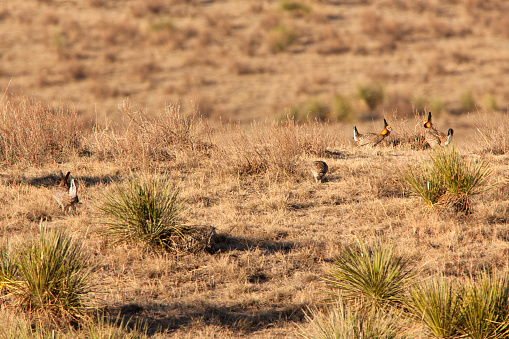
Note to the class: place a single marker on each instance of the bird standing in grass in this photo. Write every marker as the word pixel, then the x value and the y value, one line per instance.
pixel 319 169
pixel 371 139
pixel 66 194
pixel 434 137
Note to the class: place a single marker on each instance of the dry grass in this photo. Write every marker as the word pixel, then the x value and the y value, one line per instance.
pixel 277 231
pixel 155 52
pixel 238 61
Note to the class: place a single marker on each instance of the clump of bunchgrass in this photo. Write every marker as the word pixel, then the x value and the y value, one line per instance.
pixel 33 133
pixel 375 275
pixel 144 209
pixel 50 274
pixel 485 309
pixel 345 321
pixel 437 304
pixel 449 180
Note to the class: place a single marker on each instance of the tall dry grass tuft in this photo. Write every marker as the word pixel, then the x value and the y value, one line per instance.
pixel 33 133
pixel 277 149
pixel 143 139
pixel 492 132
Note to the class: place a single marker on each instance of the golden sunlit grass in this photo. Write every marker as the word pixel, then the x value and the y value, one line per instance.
pixel 271 232
pixel 230 101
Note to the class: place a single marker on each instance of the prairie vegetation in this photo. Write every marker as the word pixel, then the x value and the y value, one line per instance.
pixel 190 125
pixel 245 60
pixel 190 230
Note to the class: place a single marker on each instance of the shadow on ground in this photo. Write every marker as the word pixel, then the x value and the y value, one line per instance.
pixel 164 318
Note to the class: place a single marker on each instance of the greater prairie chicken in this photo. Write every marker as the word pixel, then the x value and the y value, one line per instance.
pixel 319 169
pixel 434 137
pixel 371 139
pixel 66 194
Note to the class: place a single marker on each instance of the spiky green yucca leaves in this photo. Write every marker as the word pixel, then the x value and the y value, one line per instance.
pixel 51 273
pixel 485 311
pixel 426 182
pixel 146 209
pixel 438 304
pixel 375 275
pixel 344 322
pixel 449 179
pixel 460 177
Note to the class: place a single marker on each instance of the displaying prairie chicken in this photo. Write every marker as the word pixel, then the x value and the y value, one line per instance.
pixel 434 137
pixel 66 194
pixel 319 169
pixel 371 139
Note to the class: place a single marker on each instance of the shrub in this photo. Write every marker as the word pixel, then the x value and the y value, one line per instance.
pixel 52 273
pixel 438 304
pixel 344 322
pixel 372 95
pixel 145 209
pixel 375 275
pixel 449 180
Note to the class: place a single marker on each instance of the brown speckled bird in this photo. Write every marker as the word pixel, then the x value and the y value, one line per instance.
pixel 66 194
pixel 371 139
pixel 319 169
pixel 434 137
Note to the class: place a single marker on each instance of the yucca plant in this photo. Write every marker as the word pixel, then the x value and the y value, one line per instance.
pixel 485 310
pixel 375 275
pixel 426 182
pixel 448 180
pixel 438 304
pixel 51 273
pixel 342 321
pixel 145 209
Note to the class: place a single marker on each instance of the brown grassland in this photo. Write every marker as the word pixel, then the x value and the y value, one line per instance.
pixel 195 73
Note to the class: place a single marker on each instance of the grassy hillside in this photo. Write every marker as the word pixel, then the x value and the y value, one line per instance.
pixel 278 231
pixel 245 60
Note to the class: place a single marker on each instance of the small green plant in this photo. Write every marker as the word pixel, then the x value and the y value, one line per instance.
pixel 163 24
pixel 371 94
pixel 146 209
pixel 467 101
pixel 375 275
pixel 281 38
pixel 342 108
pixel 342 321
pixel 295 7
pixel 449 180
pixel 485 311
pixel 51 273
pixel 438 304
